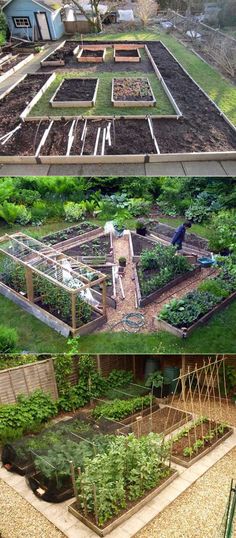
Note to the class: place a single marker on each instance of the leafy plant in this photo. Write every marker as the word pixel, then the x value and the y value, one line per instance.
pixel 8 339
pixel 157 379
pixel 118 409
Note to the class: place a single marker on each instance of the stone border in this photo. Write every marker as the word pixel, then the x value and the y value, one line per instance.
pixel 49 319
pixel 144 301
pixel 74 104
pixel 162 325
pixel 188 464
pixel 120 519
pixel 137 104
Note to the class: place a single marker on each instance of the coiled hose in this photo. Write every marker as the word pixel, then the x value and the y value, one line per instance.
pixel 132 322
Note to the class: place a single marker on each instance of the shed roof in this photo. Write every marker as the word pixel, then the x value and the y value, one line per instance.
pixel 51 5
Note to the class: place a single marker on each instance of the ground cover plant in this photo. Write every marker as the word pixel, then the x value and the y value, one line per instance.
pixel 159 266
pixel 195 438
pixel 126 89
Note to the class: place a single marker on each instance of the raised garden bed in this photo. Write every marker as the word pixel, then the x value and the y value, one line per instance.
pixel 94 251
pixel 13 64
pixel 137 244
pixel 193 242
pixel 92 54
pixel 76 92
pixel 67 235
pixel 162 420
pixel 108 270
pixel 132 92
pixel 184 332
pixel 127 55
pixel 193 443
pixel 61 55
pixel 125 514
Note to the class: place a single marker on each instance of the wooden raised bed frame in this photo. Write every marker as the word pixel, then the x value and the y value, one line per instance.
pixel 126 104
pixel 143 414
pixel 85 236
pixel 74 104
pixel 133 59
pixel 162 325
pixel 187 464
pixel 92 59
pixel 16 67
pixel 120 519
pixel 46 62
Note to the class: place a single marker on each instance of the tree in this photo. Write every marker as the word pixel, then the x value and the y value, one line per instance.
pixel 94 15
pixel 3 27
pixel 146 10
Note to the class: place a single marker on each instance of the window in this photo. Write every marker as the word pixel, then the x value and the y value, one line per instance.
pixel 21 22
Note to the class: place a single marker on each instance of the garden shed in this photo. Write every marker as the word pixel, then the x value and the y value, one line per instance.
pixel 34 20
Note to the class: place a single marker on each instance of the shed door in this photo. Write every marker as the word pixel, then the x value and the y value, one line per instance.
pixel 43 26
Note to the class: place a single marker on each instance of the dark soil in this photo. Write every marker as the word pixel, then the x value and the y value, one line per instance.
pixel 196 433
pixel 64 53
pixel 140 244
pixel 160 421
pixel 57 140
pixel 26 140
pixel 127 53
pixel 76 90
pixel 191 239
pixel 95 53
pixel 14 103
pixel 95 247
pixel 132 90
pixel 109 283
pixel 12 63
pixel 77 143
pixel 91 135
pixel 68 233
pixel 131 137
pixel 53 492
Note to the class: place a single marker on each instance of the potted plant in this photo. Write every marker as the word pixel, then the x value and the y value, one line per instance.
pixel 159 383
pixel 122 261
pixel 141 227
pixel 119 227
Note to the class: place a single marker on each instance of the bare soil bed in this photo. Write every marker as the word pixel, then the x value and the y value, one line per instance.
pixel 130 89
pixel 76 90
pixel 132 137
pixel 140 244
pixel 64 53
pixel 95 53
pixel 191 239
pixel 69 233
pixel 127 53
pixel 12 62
pixel 100 246
pixel 57 140
pixel 163 420
pixel 25 141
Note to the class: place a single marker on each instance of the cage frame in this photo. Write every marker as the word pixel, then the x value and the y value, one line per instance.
pixel 53 258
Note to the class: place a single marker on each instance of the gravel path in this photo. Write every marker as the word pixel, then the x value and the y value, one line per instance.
pixel 18 519
pixel 198 513
pixel 121 248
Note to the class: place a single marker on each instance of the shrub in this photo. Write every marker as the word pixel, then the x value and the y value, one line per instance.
pixel 215 286
pixel 11 212
pixel 223 231
pixel 24 217
pixel 73 211
pixel 202 207
pixel 8 339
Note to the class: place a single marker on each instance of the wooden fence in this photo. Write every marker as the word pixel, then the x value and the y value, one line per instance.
pixel 27 378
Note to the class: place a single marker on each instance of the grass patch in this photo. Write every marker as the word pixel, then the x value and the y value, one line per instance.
pixel 211 81
pixel 36 231
pixel 199 229
pixel 103 105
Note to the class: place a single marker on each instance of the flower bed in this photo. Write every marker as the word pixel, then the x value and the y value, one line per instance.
pixel 158 270
pixel 92 55
pixel 197 439
pixel 132 92
pixel 182 316
pixel 76 92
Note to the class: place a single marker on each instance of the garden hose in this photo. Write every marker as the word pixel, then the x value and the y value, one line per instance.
pixel 132 322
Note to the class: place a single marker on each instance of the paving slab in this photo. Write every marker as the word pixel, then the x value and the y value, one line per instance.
pixel 204 168
pixel 65 170
pixel 229 167
pixel 164 169
pixel 120 169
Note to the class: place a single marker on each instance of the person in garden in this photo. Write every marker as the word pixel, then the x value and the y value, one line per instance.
pixel 179 235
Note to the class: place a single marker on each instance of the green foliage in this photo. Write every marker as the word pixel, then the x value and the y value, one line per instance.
pixel 26 415
pixel 118 409
pixel 12 213
pixel 3 27
pixel 127 469
pixel 223 231
pixel 165 263
pixel 73 211
pixel 10 361
pixel 202 207
pixel 157 380
pixel 215 286
pixel 227 375
pixel 8 340
pixel 13 275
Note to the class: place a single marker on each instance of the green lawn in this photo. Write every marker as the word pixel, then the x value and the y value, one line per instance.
pixel 200 229
pixel 214 84
pixel 103 106
pixel 218 336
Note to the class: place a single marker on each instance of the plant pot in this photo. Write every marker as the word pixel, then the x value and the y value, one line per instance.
pixel 141 231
